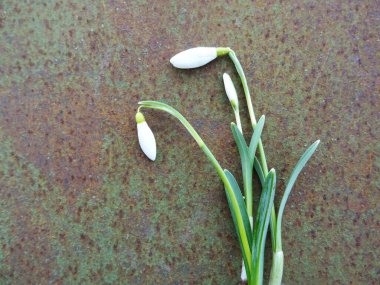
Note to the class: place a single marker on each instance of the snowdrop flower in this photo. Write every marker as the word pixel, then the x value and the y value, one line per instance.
pixel 230 91
pixel 146 138
pixel 197 57
pixel 232 96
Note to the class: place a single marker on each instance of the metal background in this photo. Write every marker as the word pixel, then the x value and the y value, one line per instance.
pixel 79 202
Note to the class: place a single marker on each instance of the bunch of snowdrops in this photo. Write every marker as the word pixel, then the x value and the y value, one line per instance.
pixel 251 229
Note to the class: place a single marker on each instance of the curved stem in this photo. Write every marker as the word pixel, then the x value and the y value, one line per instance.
pixel 243 79
pixel 214 162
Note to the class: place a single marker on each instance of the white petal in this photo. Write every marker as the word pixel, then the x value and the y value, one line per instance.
pixel 147 140
pixel 230 88
pixel 194 57
pixel 243 275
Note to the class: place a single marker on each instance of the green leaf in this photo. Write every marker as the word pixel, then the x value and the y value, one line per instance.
pixel 256 138
pixel 245 165
pixel 244 216
pixel 259 171
pixel 261 225
pixel 240 199
pixel 240 142
pixel 293 177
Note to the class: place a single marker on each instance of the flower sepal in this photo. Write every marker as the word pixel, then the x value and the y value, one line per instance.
pixel 197 57
pixel 146 137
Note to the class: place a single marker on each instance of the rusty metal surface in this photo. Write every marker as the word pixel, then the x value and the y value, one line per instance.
pixel 80 204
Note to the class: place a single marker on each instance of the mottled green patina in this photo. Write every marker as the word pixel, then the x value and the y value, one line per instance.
pixel 80 203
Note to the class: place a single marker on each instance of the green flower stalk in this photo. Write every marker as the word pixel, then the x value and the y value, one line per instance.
pixel 232 96
pixel 234 196
pixel 251 229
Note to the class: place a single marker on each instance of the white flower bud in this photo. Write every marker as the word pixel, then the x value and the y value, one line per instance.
pixel 146 137
pixel 194 57
pixel 230 90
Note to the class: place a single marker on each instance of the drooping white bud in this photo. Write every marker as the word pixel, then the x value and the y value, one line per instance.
pixel 197 57
pixel 230 91
pixel 146 137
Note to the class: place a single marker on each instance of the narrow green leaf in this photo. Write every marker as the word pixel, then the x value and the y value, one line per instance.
pixel 240 142
pixel 293 177
pixel 240 199
pixel 261 225
pixel 244 216
pixel 259 171
pixel 245 257
pixel 245 165
pixel 256 138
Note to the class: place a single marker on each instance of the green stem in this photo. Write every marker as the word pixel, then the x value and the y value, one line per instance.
pixel 214 162
pixel 277 268
pixel 238 122
pixel 243 79
pixel 249 198
pixel 247 177
pixel 248 201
